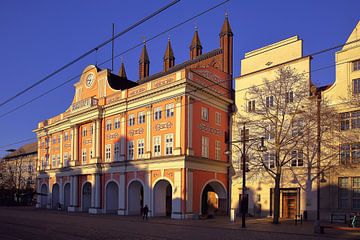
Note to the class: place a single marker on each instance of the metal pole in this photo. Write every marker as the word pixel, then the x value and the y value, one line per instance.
pixel 243 197
pixel 318 158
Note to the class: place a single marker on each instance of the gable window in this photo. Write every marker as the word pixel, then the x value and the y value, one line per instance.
pixel 205 113
pixel 141 117
pixel 84 156
pixel 108 125
pixel 169 144
pixel 356 65
pixel 269 101
pixel 131 120
pixel 356 86
pixel 205 147
pixel 108 152
pixel 131 150
pixel 289 97
pixel 169 108
pixel 157 113
pixel 141 148
pixel 117 123
pixel 297 158
pixel 251 106
pixel 218 118
pixel 157 146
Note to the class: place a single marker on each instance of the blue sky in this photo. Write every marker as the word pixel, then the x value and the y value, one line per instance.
pixel 37 37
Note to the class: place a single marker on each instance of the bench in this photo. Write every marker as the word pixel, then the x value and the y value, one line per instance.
pixel 338 217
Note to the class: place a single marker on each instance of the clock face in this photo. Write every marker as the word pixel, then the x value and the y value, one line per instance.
pixel 89 80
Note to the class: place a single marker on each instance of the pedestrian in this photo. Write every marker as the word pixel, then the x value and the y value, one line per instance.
pixel 145 212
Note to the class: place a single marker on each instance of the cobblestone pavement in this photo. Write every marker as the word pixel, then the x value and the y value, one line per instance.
pixel 30 223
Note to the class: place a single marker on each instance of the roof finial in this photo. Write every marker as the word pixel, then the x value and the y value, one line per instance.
pixel 196 27
pixel 226 14
pixel 144 40
pixel 169 38
pixel 121 59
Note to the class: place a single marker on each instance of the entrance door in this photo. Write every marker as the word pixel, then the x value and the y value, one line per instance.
pixel 289 205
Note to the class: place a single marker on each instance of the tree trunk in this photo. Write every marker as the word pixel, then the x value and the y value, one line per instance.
pixel 277 199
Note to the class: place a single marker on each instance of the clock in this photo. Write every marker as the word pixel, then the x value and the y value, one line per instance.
pixel 89 80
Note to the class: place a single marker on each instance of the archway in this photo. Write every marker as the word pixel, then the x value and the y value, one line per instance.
pixel 162 198
pixel 135 198
pixel 213 199
pixel 112 197
pixel 55 196
pixel 66 196
pixel 86 197
pixel 44 196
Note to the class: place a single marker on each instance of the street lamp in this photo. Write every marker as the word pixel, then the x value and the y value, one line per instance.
pixel 261 148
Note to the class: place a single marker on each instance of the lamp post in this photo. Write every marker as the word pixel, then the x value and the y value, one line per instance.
pixel 243 158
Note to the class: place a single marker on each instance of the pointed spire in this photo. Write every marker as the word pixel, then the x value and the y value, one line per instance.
pixel 195 47
pixel 226 29
pixel 122 72
pixel 169 59
pixel 144 57
pixel 144 63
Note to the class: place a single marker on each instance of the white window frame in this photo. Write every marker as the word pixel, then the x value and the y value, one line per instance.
pixel 131 119
pixel 83 156
pixel 269 159
pixel 289 97
pixel 108 152
pixel 58 160
pixel 66 137
pixel 131 149
pixel 66 160
pixel 141 117
pixel 269 101
pixel 205 113
pixel 251 105
pixel 53 161
pixel 157 113
pixel 205 147
pixel 169 144
pixel 117 123
pixel 297 157
pixel 218 150
pixel 157 146
pixel 169 110
pixel 108 125
pixel 218 118
pixel 117 151
pixel 84 132
pixel 141 148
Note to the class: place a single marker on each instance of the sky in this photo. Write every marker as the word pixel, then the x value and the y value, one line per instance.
pixel 38 37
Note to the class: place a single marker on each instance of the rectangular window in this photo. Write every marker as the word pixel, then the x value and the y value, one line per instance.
pixel 345 154
pixel 141 148
pixel 169 144
pixel 59 139
pixel 117 151
pixel 131 120
pixel 297 128
pixel 205 147
pixel 169 108
pixel 54 140
pixel 356 65
pixel 108 125
pixel 289 97
pixel 269 132
pixel 297 158
pixel 356 86
pixel 84 158
pixel 58 160
pixel 157 146
pixel 66 137
pixel 269 101
pixel 251 106
pixel 205 113
pixel 46 161
pixel 157 113
pixel 141 117
pixel 349 153
pixel 84 132
pixel 217 150
pixel 66 160
pixel 131 150
pixel 247 134
pixel 269 160
pixel 343 193
pixel 117 123
pixel 53 161
pixel 355 193
pixel 42 164
pixel 91 129
pixel 355 119
pixel 108 152
pixel 218 118
pixel 345 121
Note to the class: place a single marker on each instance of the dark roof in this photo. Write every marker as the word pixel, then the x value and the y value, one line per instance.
pixel 30 148
pixel 182 65
pixel 120 83
pixel 323 88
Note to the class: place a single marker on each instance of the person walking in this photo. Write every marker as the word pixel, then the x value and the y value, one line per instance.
pixel 145 212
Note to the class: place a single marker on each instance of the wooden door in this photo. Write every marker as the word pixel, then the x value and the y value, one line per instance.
pixel 289 205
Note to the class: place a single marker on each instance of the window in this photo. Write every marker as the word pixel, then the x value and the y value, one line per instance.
pixel 66 137
pixel 269 160
pixel 269 101
pixel 169 144
pixel 117 151
pixel 356 86
pixel 157 146
pixel 251 106
pixel 289 97
pixel 84 132
pixel 355 200
pixel 53 161
pixel 54 140
pixel 217 150
pixel 205 147
pixel 91 130
pixel 343 193
pixel 218 118
pixel 247 134
pixel 350 153
pixel 84 156
pixel 59 139
pixel 42 164
pixel 141 148
pixel 269 132
pixel 117 123
pixel 66 160
pixel 131 150
pixel 108 125
pixel 204 114
pixel 108 152
pixel 157 113
pixel 91 153
pixel 131 120
pixel 356 65
pixel 297 158
pixel 345 121
pixel 297 128
pixel 141 117
pixel 58 160
pixel 169 109
pixel 46 161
